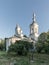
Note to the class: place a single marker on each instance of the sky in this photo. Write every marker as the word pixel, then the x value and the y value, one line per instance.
pixel 20 12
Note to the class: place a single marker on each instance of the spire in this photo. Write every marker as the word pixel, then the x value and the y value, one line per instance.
pixel 34 17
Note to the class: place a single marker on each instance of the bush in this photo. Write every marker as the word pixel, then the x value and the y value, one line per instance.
pixel 20 47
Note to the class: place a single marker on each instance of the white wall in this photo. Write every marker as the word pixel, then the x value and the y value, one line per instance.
pixel 8 43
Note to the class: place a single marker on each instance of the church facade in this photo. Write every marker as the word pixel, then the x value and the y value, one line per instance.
pixel 33 36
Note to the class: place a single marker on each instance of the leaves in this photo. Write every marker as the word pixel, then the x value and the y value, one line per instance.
pixel 43 42
pixel 21 47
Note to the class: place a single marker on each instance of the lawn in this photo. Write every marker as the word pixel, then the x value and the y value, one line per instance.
pixel 38 59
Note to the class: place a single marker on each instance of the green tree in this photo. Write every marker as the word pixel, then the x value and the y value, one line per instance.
pixel 21 47
pixel 46 45
pixel 41 42
pixel 2 45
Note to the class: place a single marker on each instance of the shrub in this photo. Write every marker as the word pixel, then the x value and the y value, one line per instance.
pixel 20 47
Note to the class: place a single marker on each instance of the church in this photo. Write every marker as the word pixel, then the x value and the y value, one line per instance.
pixel 33 36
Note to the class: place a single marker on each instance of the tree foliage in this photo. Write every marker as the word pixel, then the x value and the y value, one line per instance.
pixel 43 42
pixel 2 45
pixel 20 47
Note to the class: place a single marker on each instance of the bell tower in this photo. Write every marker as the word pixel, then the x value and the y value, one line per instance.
pixel 34 29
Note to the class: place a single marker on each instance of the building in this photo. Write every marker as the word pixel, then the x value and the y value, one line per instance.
pixel 33 37
pixel 18 31
pixel 18 36
pixel 34 29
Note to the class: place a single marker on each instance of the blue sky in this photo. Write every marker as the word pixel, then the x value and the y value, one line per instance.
pixel 20 12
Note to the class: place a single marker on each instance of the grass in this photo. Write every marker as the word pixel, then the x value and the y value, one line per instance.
pixel 39 59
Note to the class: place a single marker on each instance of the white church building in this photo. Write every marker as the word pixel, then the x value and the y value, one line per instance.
pixel 33 36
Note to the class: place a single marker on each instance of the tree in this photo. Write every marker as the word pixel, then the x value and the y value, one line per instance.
pixel 2 45
pixel 41 42
pixel 46 45
pixel 21 47
pixel 42 37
